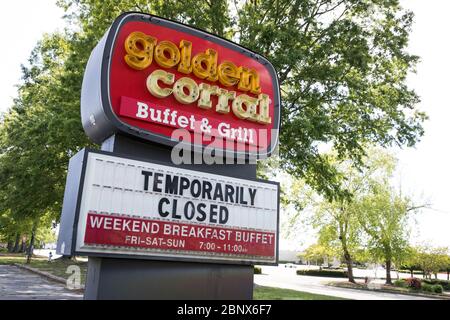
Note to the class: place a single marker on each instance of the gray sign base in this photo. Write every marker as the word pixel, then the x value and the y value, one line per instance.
pixel 153 280
pixel 126 279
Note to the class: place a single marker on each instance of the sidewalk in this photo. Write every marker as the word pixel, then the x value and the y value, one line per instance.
pixel 19 284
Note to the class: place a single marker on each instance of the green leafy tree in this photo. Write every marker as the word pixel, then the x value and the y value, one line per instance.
pixel 410 260
pixel 342 66
pixel 39 135
pixel 384 216
pixel 339 221
pixel 432 259
pixel 338 228
pixel 318 254
pixel 446 265
pixel 11 230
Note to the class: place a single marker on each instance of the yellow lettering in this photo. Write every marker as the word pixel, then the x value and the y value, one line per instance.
pixel 249 80
pixel 186 52
pixel 204 65
pixel 188 84
pixel 224 97
pixel 205 95
pixel 249 111
pixel 263 116
pixel 167 54
pixel 139 48
pixel 152 83
pixel 228 74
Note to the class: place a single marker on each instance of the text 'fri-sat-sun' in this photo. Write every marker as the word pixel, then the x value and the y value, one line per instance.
pixel 141 49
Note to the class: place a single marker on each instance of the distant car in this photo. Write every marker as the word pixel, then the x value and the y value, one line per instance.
pixel 290 265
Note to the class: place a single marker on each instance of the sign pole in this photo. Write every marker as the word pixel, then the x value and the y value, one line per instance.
pixel 130 279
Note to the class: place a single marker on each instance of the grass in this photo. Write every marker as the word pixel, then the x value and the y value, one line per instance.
pixel 57 267
pixel 269 293
pixel 385 288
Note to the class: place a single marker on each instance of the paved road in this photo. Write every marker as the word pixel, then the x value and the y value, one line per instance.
pixel 19 284
pixel 286 278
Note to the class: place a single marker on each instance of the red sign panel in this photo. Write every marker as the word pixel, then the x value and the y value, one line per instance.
pixel 120 231
pixel 158 76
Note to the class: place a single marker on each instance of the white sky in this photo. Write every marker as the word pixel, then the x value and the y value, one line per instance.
pixel 423 171
pixel 22 25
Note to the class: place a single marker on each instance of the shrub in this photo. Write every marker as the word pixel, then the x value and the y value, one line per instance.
pixel 427 287
pixel 257 270
pixel 444 283
pixel 414 283
pixel 323 273
pixel 437 288
pixel 400 283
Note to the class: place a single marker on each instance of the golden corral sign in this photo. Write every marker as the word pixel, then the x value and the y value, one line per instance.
pixel 149 77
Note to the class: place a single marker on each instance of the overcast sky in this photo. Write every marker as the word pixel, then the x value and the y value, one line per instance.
pixel 422 172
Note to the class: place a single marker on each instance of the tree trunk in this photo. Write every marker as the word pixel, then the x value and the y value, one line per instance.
pixel 448 274
pixel 10 245
pixel 16 243
pixel 388 272
pixel 412 273
pixel 31 246
pixel 349 262
pixel 23 246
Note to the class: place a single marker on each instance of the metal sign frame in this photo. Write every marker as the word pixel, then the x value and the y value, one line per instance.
pixel 72 216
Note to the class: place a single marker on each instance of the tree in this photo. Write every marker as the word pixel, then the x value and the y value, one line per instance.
pixel 38 134
pixel 446 264
pixel 342 66
pixel 338 227
pixel 384 215
pixel 11 230
pixel 432 260
pixel 410 260
pixel 346 223
pixel 318 253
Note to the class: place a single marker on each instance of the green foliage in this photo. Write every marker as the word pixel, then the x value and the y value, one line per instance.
pixel 257 270
pixel 444 283
pixel 400 283
pixel 269 293
pixel 318 253
pixel 339 220
pixel 342 66
pixel 323 273
pixel 431 260
pixel 427 287
pixel 437 288
pixel 432 288
pixel 384 215
pixel 409 260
